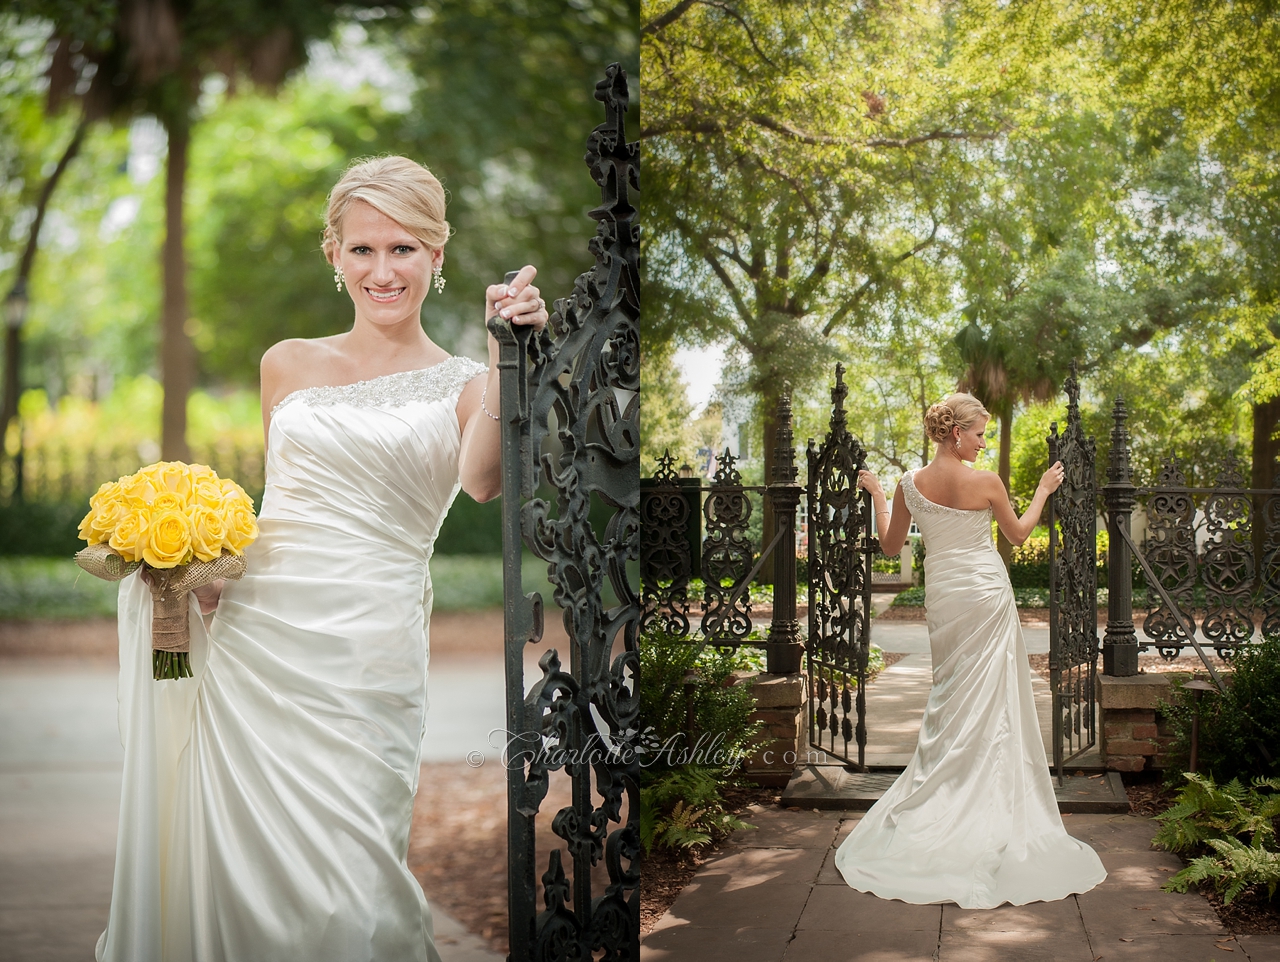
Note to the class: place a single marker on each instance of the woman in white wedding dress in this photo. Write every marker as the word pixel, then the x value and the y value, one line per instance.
pixel 973 819
pixel 266 802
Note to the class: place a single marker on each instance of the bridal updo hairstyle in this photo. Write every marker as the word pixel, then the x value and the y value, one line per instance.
pixel 957 409
pixel 405 191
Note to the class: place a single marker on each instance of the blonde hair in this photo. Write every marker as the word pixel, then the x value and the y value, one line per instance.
pixel 402 189
pixel 962 410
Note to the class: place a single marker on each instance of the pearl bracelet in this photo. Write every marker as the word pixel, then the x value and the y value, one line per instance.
pixel 483 395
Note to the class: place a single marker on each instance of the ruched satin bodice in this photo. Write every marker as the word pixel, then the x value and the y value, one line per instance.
pixel 973 818
pixel 266 805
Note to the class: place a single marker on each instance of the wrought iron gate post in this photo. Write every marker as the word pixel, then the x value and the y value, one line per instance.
pixel 1055 664
pixel 783 649
pixel 579 381
pixel 1120 643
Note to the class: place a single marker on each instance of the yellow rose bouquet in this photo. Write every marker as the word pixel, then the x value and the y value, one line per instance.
pixel 187 526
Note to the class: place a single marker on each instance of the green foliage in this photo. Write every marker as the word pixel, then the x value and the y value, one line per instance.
pixel 1235 823
pixel 1234 867
pixel 52 588
pixel 1206 810
pixel 683 809
pixel 723 731
pixel 1234 727
pixel 681 806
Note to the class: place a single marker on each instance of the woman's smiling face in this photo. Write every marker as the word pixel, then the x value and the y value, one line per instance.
pixel 386 269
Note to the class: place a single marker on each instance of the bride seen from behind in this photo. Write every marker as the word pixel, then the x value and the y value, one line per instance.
pixel 267 799
pixel 973 818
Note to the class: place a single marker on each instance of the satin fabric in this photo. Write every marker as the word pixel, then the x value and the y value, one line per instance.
pixel 973 819
pixel 266 802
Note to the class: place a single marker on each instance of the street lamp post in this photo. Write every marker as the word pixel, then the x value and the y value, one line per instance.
pixel 15 312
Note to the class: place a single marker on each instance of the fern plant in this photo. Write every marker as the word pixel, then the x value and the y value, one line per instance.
pixel 1235 867
pixel 1232 826
pixel 683 809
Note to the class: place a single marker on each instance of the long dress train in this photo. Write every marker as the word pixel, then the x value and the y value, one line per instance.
pixel 973 818
pixel 266 802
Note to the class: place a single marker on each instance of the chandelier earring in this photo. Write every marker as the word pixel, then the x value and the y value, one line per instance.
pixel 338 278
pixel 439 278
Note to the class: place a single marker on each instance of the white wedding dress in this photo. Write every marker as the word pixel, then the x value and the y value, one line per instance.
pixel 973 818
pixel 266 802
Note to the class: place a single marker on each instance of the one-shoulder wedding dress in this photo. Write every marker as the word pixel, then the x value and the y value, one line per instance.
pixel 973 818
pixel 266 802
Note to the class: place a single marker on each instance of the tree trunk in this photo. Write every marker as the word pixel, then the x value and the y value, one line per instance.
pixel 1265 449
pixel 770 440
pixel 176 355
pixel 1006 448
pixel 13 333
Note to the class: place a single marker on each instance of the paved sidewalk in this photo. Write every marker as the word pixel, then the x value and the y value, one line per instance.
pixel 774 895
pixel 60 779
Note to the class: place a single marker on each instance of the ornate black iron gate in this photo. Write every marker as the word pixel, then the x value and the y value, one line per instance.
pixel 581 379
pixel 1073 587
pixel 840 553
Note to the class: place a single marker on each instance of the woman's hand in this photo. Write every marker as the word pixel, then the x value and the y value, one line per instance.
pixel 1051 480
pixel 867 481
pixel 208 595
pixel 519 302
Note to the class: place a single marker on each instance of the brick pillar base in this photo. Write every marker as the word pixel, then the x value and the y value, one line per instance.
pixel 1135 735
pixel 779 704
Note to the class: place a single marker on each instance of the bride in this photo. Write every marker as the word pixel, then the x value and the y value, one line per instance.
pixel 267 799
pixel 973 818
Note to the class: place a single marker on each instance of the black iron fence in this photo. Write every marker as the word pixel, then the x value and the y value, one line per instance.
pixel 1211 557
pixel 698 559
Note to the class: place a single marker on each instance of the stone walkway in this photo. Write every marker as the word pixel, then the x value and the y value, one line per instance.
pixel 774 895
pixel 60 778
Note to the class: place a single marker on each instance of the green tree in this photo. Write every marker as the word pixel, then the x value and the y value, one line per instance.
pixel 127 60
pixel 800 155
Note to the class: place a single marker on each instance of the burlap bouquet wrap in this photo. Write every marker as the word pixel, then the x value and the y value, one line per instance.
pixel 170 610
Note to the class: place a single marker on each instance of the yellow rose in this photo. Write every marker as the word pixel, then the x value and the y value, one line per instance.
pixel 86 527
pixel 107 491
pixel 166 501
pixel 207 493
pixel 171 476
pixel 105 519
pixel 138 489
pixel 131 533
pixel 207 532
pixel 242 527
pixel 200 472
pixel 168 540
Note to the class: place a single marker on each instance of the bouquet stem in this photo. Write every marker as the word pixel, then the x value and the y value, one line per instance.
pixel 170 664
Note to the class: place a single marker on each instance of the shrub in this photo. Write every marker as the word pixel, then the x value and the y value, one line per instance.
pixel 680 801
pixel 1235 728
pixel 720 712
pixel 682 809
pixel 1232 827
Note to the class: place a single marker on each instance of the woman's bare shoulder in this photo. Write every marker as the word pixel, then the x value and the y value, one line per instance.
pixel 988 482
pixel 295 363
pixel 295 352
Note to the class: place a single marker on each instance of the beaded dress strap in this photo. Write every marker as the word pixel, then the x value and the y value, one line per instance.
pixel 434 383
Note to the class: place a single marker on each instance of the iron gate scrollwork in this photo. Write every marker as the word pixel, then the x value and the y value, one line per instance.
pixel 665 562
pixel 580 378
pixel 726 557
pixel 1073 587
pixel 840 554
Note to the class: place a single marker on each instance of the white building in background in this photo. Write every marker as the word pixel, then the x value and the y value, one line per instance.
pixel 735 418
